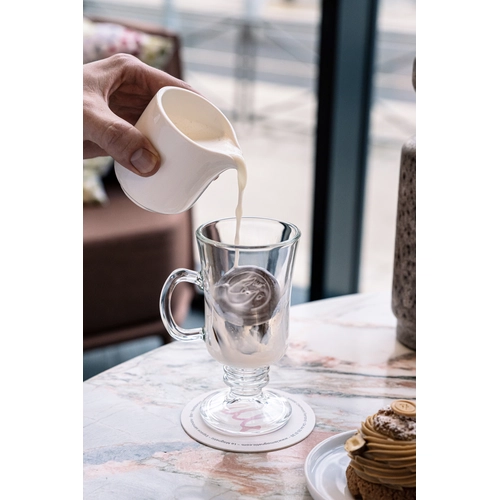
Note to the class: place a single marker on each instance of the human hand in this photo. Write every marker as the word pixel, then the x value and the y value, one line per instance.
pixel 116 90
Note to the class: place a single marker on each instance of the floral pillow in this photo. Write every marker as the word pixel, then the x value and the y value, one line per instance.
pixel 101 40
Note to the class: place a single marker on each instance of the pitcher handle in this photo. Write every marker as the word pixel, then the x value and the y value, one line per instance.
pixel 175 331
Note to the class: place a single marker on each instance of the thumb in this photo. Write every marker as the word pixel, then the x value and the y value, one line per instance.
pixel 122 141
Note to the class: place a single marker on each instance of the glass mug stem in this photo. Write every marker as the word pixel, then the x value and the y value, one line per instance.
pixel 245 382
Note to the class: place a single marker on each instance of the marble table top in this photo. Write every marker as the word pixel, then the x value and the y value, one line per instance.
pixel 343 360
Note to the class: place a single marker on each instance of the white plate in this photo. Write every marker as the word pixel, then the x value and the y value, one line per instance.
pixel 325 469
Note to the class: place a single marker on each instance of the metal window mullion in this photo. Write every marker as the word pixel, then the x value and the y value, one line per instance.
pixel 347 42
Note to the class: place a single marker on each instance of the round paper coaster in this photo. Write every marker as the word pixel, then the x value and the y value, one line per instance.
pixel 300 425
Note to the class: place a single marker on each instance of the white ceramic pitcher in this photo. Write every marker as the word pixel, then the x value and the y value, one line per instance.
pixel 196 143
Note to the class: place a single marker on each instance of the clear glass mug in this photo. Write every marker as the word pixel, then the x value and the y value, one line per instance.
pixel 247 290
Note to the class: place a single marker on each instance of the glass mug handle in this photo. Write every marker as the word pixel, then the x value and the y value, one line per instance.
pixel 175 331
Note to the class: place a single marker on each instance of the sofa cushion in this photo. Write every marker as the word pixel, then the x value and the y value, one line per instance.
pixel 128 254
pixel 94 170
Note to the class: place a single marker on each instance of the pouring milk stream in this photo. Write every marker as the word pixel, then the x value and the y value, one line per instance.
pixel 227 147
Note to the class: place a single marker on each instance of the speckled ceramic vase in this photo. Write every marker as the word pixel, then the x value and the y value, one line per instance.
pixel 404 299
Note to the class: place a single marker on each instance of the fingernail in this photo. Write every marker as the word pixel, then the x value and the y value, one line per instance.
pixel 143 160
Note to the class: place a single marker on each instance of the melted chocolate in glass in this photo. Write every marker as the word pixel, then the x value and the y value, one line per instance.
pixel 247 295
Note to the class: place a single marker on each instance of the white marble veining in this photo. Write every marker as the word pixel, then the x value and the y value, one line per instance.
pixel 343 360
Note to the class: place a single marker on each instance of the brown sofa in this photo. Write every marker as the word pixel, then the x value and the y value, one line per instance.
pixel 128 252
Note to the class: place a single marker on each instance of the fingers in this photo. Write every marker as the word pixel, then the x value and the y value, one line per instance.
pixel 119 139
pixel 129 69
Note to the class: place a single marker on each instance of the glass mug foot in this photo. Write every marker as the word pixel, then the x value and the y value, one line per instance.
pixel 246 408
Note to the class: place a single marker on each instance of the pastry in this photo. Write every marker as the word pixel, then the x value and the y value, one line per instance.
pixel 383 454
